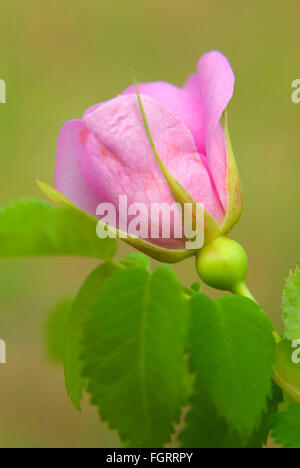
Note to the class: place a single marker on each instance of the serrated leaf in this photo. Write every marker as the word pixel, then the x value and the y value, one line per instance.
pixel 134 355
pixel 261 434
pixel 204 428
pixel 286 372
pixel 74 331
pixel 56 330
pixel 286 427
pixel 232 349
pixel 34 228
pixel 291 305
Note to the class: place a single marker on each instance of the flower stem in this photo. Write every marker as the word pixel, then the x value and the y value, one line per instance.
pixel 241 290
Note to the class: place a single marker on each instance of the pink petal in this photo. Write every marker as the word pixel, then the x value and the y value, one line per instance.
pixel 213 85
pixel 180 103
pixel 71 160
pixel 119 126
pixel 88 174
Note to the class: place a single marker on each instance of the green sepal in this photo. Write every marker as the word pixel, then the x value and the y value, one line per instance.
pixel 233 185
pixel 55 196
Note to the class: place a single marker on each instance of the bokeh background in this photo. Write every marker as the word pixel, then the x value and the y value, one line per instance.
pixel 57 59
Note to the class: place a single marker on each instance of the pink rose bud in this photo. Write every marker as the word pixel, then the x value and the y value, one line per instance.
pixel 186 157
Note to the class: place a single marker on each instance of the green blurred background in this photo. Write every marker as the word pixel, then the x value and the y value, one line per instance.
pixel 57 59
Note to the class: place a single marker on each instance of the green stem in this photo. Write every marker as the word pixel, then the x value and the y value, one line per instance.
pixel 241 290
